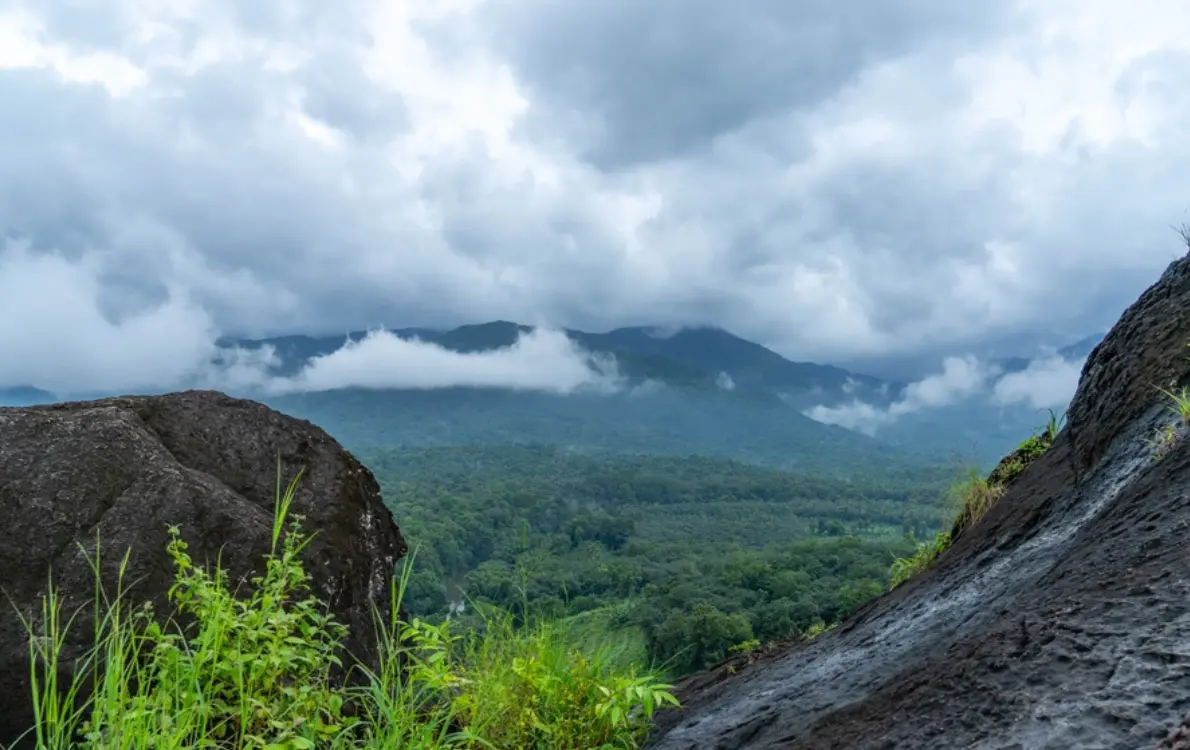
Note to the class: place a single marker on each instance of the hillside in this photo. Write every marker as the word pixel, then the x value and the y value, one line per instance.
pixel 665 421
pixel 1059 619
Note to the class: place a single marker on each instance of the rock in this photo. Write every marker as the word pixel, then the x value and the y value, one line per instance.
pixel 1146 350
pixel 1058 619
pixel 129 467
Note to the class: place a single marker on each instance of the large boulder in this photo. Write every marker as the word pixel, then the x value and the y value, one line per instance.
pixel 128 468
pixel 1059 619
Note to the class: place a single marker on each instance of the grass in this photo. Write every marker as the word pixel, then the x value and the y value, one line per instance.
pixel 1163 441
pixel 974 497
pixel 256 671
pixel 904 568
pixel 605 630
pixel 1166 437
pixel 1179 403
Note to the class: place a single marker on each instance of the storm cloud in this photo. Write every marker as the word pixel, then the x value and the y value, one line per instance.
pixel 841 183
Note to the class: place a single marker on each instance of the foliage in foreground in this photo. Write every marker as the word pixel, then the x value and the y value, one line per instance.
pixel 255 672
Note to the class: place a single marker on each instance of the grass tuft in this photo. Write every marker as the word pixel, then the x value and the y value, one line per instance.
pixel 904 568
pixel 1179 403
pixel 973 498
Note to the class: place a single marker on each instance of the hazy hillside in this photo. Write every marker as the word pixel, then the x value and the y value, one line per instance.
pixel 755 427
pixel 690 355
pixel 700 390
pixel 25 396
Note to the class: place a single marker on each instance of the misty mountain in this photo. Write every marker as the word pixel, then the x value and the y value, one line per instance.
pixel 695 390
pixel 705 356
pixel 662 420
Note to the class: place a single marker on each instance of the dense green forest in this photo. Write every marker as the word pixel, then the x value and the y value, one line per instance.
pixel 680 558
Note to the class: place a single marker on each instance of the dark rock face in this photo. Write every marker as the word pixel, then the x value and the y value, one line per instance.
pixel 129 467
pixel 1060 619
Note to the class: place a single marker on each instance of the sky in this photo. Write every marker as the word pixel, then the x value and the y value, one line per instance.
pixel 864 183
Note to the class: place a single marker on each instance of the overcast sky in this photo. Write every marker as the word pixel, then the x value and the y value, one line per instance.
pixel 841 181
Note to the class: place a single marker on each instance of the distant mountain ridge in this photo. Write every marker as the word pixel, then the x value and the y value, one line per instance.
pixel 721 395
pixel 687 355
pixel 690 391
pixel 686 391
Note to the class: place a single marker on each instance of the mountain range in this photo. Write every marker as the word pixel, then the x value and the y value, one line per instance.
pixel 690 356
pixel 686 391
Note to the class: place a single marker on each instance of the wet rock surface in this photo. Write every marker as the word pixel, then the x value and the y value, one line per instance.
pixel 1061 619
pixel 127 468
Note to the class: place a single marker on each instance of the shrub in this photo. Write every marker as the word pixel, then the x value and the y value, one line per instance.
pixel 253 672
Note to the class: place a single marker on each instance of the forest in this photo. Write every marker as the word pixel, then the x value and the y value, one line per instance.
pixel 679 560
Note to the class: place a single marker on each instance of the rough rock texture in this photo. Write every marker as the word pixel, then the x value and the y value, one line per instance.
pixel 128 467
pixel 1061 619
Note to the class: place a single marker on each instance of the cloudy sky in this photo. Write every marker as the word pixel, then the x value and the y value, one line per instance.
pixel 860 182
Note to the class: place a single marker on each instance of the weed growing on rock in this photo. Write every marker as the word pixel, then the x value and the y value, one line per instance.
pixel 1165 438
pixel 1180 403
pixel 818 628
pixel 904 568
pixel 254 672
pixel 1163 441
pixel 973 498
pixel 976 496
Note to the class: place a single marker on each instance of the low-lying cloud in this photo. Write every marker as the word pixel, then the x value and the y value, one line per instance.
pixel 539 360
pixel 1048 382
pixel 66 332
pixel 960 378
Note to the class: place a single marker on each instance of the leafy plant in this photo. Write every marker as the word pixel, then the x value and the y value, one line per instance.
pixel 1030 449
pixel 253 672
pixel 818 628
pixel 745 647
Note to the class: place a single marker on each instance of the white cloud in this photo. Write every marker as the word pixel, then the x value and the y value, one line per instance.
pixel 58 336
pixel 961 378
pixel 931 177
pixel 69 335
pixel 857 415
pixel 1047 383
pixel 541 360
pixel 725 382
